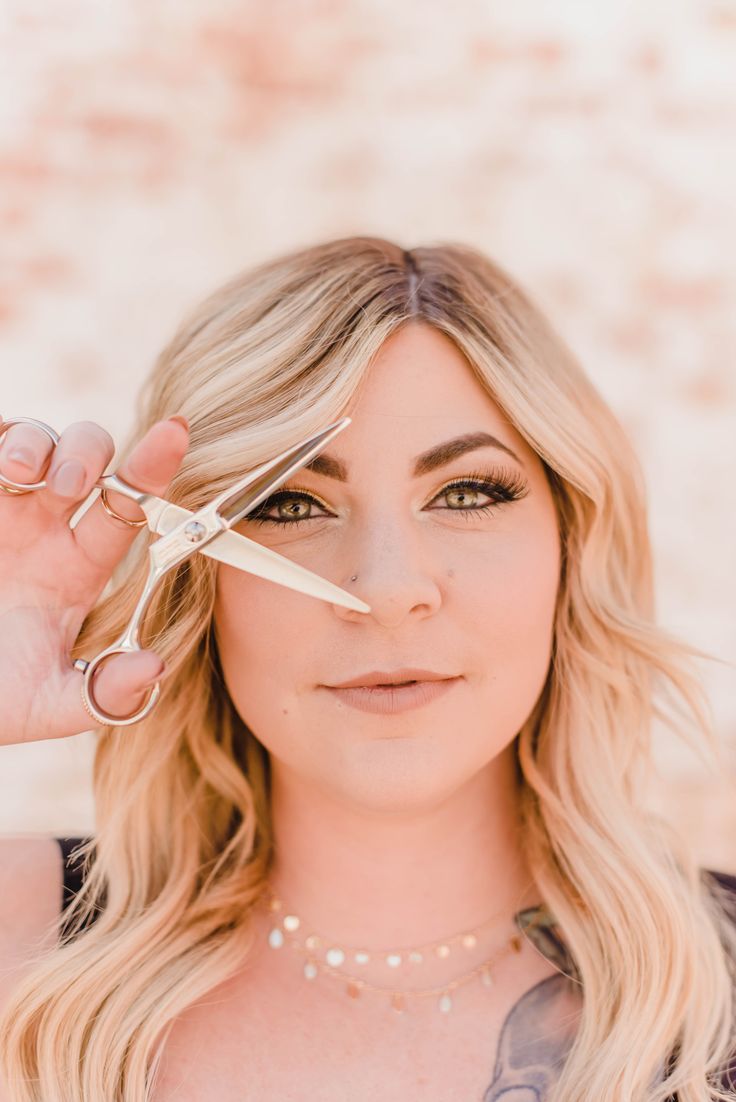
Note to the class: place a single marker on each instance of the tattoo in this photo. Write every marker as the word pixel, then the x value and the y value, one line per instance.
pixel 534 1041
pixel 540 928
pixel 540 1028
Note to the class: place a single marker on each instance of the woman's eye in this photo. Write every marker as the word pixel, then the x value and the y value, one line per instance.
pixel 285 507
pixel 466 495
pixel 463 496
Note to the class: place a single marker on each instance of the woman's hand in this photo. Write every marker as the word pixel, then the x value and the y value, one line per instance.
pixel 51 576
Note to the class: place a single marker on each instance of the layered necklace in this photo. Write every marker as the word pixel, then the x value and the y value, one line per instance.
pixel 321 956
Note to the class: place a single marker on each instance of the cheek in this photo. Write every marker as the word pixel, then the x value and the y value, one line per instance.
pixel 262 631
pixel 510 611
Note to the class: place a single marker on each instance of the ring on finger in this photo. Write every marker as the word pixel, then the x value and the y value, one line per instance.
pixel 81 664
pixel 6 484
pixel 109 509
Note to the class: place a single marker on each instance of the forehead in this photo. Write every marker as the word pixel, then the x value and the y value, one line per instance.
pixel 417 369
pixel 418 391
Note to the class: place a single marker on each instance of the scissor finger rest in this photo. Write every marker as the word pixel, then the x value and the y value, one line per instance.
pixel 88 691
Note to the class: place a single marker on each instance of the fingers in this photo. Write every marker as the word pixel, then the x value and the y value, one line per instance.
pixel 83 450
pixel 70 466
pixel 120 688
pixel 28 455
pixel 152 464
pixel 150 467
pixel 122 684
pixel 24 453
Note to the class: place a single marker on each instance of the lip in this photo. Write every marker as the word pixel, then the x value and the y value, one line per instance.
pixel 390 677
pixel 395 698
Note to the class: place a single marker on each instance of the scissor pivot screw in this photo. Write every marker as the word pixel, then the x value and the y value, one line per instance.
pixel 195 531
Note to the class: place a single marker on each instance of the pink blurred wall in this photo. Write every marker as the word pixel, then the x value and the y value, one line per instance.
pixel 150 150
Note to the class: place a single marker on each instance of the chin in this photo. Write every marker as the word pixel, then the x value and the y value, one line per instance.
pixel 398 774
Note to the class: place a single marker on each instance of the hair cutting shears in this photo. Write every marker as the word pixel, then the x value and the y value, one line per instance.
pixel 183 533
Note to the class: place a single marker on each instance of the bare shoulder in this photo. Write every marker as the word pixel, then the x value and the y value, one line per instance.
pixel 31 879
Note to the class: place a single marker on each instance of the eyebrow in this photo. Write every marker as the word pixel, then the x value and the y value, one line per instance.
pixel 438 456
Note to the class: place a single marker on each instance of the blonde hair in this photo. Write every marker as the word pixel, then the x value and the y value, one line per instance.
pixel 183 842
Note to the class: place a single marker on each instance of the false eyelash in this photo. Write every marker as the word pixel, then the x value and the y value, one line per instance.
pixel 503 485
pixel 284 495
pixel 507 484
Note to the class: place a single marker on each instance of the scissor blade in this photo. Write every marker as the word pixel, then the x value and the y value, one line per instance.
pixel 236 550
pixel 269 476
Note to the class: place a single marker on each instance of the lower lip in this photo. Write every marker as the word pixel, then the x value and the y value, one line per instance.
pixel 395 698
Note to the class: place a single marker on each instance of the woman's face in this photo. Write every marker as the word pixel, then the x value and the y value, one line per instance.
pixel 454 587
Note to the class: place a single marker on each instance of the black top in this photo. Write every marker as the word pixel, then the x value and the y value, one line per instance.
pixel 72 871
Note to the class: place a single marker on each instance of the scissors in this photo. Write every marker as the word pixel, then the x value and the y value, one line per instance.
pixel 183 533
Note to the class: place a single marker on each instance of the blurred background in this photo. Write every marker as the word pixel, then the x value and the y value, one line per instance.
pixel 150 149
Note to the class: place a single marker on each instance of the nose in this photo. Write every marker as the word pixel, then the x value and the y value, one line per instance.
pixel 393 576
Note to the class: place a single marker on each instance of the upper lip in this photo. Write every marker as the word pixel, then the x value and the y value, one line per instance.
pixel 391 677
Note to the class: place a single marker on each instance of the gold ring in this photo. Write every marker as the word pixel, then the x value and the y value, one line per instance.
pixel 10 490
pixel 109 509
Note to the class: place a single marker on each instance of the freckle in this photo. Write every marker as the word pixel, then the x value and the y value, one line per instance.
pixel 450 573
pixel 285 711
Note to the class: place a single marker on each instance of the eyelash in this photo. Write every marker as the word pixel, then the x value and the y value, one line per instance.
pixel 505 485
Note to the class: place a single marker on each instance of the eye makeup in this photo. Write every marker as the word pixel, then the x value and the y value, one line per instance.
pixel 503 486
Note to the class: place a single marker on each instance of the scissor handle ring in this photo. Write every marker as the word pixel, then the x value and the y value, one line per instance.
pixel 7 484
pixel 89 669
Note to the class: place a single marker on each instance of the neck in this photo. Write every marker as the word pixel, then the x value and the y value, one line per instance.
pixel 379 879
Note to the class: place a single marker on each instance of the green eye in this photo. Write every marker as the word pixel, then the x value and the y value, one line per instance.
pixel 501 490
pixel 279 500
pixel 500 486
pixel 464 489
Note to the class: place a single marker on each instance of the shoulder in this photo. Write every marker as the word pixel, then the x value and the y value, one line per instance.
pixel 30 900
pixel 30 882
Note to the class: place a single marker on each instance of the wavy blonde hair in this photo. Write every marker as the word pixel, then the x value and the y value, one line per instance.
pixel 183 842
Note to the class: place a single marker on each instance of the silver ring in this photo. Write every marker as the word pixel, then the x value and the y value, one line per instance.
pixel 87 709
pixel 82 664
pixel 6 484
pixel 101 718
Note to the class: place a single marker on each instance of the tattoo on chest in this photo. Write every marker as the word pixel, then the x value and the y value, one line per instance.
pixel 539 1030
pixel 535 1039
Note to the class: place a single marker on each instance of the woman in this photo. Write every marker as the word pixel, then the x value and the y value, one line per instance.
pixel 306 888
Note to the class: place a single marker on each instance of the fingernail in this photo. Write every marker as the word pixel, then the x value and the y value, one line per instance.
pixel 181 420
pixel 22 455
pixel 68 480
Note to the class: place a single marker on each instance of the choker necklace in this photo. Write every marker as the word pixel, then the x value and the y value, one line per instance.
pixel 326 957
